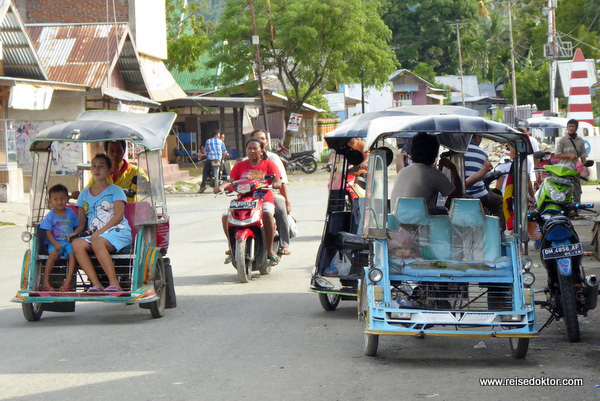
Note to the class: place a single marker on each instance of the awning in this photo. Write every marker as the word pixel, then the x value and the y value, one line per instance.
pixel 207 101
pixel 129 98
pixel 437 97
pixel 11 81
pixel 159 81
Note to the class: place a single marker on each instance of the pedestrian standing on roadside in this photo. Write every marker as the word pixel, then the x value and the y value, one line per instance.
pixel 569 149
pixel 215 150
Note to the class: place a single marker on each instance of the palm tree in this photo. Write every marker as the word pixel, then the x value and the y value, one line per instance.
pixel 489 40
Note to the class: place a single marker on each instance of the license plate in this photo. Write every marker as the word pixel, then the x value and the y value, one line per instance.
pixel 562 251
pixel 242 205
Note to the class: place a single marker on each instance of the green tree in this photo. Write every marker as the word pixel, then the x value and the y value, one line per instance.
pixel 312 44
pixel 533 86
pixel 186 36
pixel 484 44
pixel 422 31
pixel 425 71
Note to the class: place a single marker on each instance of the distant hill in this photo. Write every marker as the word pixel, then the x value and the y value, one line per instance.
pixel 215 8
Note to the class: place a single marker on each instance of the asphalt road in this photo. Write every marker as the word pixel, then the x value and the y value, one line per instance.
pixel 265 340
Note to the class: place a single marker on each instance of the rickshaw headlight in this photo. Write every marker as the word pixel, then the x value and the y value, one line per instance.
pixel 324 283
pixel 511 318
pixel 527 264
pixel 401 315
pixel 375 275
pixel 26 236
pixel 528 279
pixel 557 196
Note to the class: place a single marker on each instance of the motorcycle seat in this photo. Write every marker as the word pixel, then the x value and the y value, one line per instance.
pixel 299 154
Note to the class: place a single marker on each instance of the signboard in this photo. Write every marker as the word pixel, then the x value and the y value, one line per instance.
pixel 294 122
pixel 336 101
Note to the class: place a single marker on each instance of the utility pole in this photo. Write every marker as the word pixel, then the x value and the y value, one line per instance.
pixel 552 52
pixel 255 42
pixel 462 84
pixel 512 62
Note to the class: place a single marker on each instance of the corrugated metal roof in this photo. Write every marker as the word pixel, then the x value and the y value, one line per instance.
pixel 83 53
pixel 19 58
pixel 188 81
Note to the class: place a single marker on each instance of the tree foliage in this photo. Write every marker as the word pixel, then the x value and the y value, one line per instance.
pixel 422 31
pixel 186 35
pixel 311 44
pixel 533 86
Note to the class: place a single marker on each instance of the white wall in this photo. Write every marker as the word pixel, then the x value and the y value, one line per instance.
pixel 150 28
pixel 61 109
pixel 376 100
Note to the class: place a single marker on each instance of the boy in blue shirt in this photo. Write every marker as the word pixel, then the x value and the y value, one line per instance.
pixel 59 225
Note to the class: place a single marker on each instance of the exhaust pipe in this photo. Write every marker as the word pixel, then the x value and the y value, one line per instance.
pixel 591 285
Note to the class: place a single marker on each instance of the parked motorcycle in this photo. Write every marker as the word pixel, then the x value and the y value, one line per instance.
pixel 304 161
pixel 569 292
pixel 246 228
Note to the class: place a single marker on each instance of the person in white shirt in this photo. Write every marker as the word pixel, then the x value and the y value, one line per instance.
pixel 282 201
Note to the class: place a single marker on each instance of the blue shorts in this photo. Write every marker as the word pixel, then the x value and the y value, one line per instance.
pixel 118 236
pixel 66 250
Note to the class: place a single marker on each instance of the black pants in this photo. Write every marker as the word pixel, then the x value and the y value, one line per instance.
pixel 493 202
pixel 206 172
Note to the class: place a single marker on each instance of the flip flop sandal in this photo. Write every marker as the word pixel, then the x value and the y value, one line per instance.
pixel 228 259
pixel 112 288
pixel 46 288
pixel 274 259
pixel 96 288
pixel 65 288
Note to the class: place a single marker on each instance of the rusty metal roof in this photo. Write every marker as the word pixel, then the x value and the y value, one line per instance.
pixel 19 58
pixel 86 54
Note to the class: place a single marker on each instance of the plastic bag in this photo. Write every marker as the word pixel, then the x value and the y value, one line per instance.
pixel 293 226
pixel 341 264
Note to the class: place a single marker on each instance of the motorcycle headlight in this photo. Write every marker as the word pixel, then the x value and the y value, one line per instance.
pixel 243 188
pixel 557 196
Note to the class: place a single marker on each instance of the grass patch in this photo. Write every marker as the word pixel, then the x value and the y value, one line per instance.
pixel 590 182
pixel 7 223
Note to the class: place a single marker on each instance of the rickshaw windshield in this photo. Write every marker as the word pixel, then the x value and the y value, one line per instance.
pixel 150 190
pixel 376 198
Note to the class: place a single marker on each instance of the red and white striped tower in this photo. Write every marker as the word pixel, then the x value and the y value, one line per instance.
pixel 580 101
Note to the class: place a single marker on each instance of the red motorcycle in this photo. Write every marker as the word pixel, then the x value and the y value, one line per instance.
pixel 245 226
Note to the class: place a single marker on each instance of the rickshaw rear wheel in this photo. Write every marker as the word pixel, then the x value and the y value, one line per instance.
pixel 157 308
pixel 32 312
pixel 518 347
pixel 244 269
pixel 329 302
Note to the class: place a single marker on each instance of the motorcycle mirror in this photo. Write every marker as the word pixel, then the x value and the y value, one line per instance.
pixel 539 155
pixel 588 163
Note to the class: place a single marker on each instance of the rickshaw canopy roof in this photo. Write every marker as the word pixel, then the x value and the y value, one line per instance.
pixel 358 126
pixel 453 131
pixel 147 130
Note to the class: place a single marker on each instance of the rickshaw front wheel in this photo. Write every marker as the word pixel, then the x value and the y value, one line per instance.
pixel 329 302
pixel 518 347
pixel 371 342
pixel 32 312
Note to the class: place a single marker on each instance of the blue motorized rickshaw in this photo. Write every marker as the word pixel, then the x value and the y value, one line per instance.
pixel 444 274
pixel 341 257
pixel 143 268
